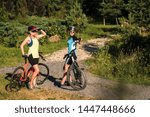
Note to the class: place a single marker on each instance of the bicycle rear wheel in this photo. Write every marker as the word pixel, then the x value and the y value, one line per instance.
pixel 76 78
pixel 15 83
pixel 43 75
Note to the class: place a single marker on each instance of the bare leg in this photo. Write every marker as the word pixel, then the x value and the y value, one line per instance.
pixel 36 71
pixel 65 74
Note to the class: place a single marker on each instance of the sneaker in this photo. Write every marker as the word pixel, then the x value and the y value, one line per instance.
pixel 36 86
pixel 67 83
pixel 61 85
pixel 30 86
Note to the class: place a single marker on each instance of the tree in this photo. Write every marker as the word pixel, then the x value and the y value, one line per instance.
pixel 3 13
pixel 90 8
pixel 76 17
pixel 54 7
pixel 139 10
pixel 21 8
pixel 36 7
pixel 102 11
pixel 111 8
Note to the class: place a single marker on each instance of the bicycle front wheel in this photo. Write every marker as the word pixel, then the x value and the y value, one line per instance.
pixel 76 78
pixel 43 74
pixel 15 83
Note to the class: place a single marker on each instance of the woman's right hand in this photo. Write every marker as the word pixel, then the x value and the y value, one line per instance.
pixel 25 55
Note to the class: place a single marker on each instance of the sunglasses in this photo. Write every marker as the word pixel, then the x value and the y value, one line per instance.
pixel 34 31
pixel 71 31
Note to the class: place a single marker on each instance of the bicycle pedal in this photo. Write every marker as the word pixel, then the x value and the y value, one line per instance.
pixel 20 83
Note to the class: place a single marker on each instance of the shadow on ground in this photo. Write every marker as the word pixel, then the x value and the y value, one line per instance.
pixel 91 47
pixel 56 82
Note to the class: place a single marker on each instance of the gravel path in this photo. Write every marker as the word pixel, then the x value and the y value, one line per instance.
pixel 97 88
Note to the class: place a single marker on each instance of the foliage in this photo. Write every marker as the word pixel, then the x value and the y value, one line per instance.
pixel 9 34
pixel 140 11
pixel 75 17
pixel 136 11
pixel 127 58
pixel 111 8
pixel 3 14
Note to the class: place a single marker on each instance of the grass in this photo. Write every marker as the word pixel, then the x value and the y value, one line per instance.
pixel 37 94
pixel 98 30
pixel 12 56
pixel 52 47
pixel 9 56
pixel 125 69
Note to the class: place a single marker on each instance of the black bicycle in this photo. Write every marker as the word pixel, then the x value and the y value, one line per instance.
pixel 22 74
pixel 75 74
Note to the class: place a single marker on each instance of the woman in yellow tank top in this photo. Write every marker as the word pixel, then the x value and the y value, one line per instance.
pixel 32 40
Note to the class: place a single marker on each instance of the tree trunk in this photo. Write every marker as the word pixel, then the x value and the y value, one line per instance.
pixel 117 20
pixel 104 21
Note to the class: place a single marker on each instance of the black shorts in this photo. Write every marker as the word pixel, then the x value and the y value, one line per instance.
pixel 68 61
pixel 33 61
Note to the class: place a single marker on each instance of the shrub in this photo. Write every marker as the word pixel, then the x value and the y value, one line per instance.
pixel 126 59
pixel 9 34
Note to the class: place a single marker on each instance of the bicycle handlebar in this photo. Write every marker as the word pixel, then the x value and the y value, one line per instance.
pixel 70 54
pixel 40 54
pixel 42 57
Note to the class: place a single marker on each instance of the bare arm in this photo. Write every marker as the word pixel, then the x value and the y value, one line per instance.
pixel 43 34
pixel 23 44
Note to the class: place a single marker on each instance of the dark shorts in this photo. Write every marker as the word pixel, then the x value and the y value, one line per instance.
pixel 68 61
pixel 33 61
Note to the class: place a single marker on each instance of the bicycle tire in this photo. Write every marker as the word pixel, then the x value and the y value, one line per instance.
pixel 43 75
pixel 15 83
pixel 76 82
pixel 7 87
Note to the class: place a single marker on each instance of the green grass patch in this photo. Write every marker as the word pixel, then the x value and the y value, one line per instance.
pixel 126 72
pixel 9 56
pixel 126 59
pixel 98 30
pixel 12 56
pixel 52 47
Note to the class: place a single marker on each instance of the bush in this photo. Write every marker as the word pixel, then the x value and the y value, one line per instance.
pixel 3 14
pixel 126 59
pixel 9 34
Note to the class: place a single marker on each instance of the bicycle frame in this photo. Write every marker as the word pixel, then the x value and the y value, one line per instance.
pixel 26 72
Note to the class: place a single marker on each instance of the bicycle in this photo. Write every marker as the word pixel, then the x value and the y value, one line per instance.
pixel 75 76
pixel 22 74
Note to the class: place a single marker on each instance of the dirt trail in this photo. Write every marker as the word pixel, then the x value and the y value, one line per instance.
pixel 97 88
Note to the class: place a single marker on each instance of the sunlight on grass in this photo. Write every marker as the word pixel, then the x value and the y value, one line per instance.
pixel 12 56
pixel 37 94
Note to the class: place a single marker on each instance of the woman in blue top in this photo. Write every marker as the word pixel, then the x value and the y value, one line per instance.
pixel 72 40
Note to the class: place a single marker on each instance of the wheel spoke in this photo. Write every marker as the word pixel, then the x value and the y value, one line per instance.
pixel 43 75
pixel 76 78
pixel 15 83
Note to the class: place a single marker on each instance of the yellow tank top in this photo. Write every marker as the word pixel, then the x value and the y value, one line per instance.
pixel 34 49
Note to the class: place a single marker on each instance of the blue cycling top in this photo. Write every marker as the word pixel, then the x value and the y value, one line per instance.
pixel 71 44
